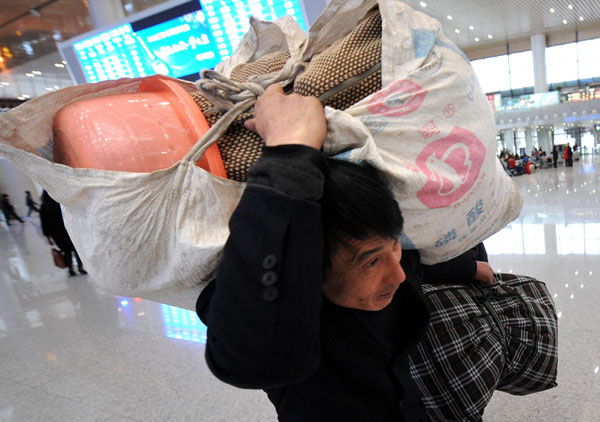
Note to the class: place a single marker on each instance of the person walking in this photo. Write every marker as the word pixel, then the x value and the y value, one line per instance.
pixel 31 204
pixel 555 156
pixel 9 210
pixel 568 156
pixel 54 229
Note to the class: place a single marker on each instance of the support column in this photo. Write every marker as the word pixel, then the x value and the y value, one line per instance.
pixel 105 12
pixel 528 141
pixel 509 140
pixel 545 141
pixel 538 48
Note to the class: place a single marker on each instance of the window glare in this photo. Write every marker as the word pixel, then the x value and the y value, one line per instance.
pixel 564 63
pixel 521 70
pixel 561 63
pixel 492 73
pixel 589 59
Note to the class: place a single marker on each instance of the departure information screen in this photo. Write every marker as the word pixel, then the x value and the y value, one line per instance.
pixel 180 46
pixel 229 20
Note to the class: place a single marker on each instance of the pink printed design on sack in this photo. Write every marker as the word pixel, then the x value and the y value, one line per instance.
pixel 452 165
pixel 399 105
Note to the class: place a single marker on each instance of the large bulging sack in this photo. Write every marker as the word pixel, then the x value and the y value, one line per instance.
pixel 397 92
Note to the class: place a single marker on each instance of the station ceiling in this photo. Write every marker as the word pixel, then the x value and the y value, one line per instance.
pixel 29 30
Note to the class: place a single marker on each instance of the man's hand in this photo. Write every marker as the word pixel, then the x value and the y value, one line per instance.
pixel 484 273
pixel 288 119
pixel 50 241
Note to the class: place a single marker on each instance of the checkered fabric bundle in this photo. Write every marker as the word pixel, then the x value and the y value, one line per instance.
pixel 482 339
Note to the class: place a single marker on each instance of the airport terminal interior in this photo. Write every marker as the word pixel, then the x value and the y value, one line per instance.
pixel 70 351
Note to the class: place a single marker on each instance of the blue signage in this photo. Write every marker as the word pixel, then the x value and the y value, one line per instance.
pixel 177 47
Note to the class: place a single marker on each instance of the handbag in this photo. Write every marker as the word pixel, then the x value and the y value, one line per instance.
pixel 59 258
pixel 480 339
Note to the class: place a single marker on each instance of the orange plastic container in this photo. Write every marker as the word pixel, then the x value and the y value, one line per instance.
pixel 148 130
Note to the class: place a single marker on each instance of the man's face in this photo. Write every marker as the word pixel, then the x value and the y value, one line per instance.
pixel 366 275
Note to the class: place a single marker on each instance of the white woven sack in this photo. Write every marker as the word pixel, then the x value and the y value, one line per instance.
pixel 152 235
pixel 430 127
pixel 441 140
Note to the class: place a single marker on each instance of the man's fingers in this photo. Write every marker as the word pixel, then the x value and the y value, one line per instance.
pixel 250 124
pixel 273 90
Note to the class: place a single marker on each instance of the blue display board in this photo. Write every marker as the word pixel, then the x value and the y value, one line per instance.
pixel 177 47
pixel 178 42
pixel 229 20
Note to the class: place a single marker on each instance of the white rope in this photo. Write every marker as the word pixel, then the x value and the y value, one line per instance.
pixel 237 98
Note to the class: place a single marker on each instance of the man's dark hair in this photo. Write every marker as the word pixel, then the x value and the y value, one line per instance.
pixel 357 203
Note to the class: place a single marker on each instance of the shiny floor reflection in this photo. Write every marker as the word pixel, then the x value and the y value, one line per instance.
pixel 69 352
pixel 557 240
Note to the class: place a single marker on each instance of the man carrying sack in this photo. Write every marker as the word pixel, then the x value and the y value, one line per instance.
pixel 315 301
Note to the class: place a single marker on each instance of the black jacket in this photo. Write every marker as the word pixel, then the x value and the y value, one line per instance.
pixel 269 326
pixel 53 225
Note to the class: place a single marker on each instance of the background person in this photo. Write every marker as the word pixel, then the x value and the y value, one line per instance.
pixel 54 229
pixel 31 204
pixel 9 210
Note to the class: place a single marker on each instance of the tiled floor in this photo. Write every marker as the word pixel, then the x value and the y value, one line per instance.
pixel 69 352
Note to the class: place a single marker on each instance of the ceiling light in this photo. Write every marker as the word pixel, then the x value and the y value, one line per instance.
pixel 4 83
pixel 570 7
pixel 25 96
pixel 565 21
pixel 471 27
pixel 423 4
pixel 64 62
pixel 36 72
pixel 1 59
pixel 30 75
pixel 457 31
pixel 551 10
pixel 476 39
pixel 449 17
pixel 490 36
pixel 59 65
pixel 56 87
pixel 49 89
pixel 580 18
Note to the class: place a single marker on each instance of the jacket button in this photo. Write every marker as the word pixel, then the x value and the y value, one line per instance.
pixel 269 278
pixel 269 262
pixel 270 294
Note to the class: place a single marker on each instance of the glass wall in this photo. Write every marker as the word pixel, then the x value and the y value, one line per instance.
pixel 561 137
pixel 589 59
pixel 561 63
pixel 506 72
pixel 566 64
pixel 521 70
pixel 492 73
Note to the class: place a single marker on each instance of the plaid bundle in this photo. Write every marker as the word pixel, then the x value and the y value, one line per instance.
pixel 482 339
